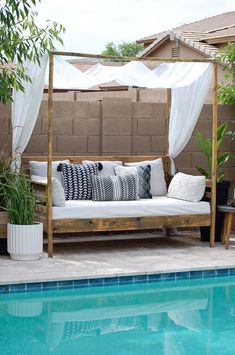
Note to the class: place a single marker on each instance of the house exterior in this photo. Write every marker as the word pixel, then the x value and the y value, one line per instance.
pixel 197 40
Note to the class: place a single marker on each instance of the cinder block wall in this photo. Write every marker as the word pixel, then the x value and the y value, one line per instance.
pixel 117 126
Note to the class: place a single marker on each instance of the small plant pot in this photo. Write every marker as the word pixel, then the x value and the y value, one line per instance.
pixel 25 242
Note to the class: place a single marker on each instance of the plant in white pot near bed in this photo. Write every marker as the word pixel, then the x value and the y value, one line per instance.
pixel 24 234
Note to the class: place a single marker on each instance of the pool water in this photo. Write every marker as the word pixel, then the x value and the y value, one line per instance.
pixel 170 318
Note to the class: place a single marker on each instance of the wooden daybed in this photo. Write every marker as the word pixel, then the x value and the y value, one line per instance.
pixel 44 192
pixel 78 225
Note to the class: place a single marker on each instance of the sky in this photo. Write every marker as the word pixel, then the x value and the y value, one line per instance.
pixel 90 24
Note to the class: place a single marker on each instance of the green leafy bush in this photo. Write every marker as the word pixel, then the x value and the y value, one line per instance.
pixel 205 145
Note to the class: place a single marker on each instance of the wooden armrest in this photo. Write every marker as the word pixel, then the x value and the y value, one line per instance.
pixel 38 183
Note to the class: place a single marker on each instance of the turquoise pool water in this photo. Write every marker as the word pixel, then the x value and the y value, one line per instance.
pixel 172 318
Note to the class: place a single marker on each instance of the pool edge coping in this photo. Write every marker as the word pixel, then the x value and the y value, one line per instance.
pixel 121 279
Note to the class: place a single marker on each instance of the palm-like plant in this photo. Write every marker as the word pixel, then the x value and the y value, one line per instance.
pixel 205 144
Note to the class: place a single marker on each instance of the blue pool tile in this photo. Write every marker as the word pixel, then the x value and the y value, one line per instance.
pixel 209 273
pixel 111 281
pixel 51 285
pixel 222 272
pixel 17 288
pixel 139 278
pixel 196 274
pixel 168 276
pixel 154 277
pixel 36 286
pixel 4 289
pixel 123 280
pixel 65 284
pixel 96 282
pixel 80 283
pixel 232 271
pixel 185 275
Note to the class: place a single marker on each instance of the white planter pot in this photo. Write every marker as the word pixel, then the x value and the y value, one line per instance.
pixel 25 309
pixel 25 242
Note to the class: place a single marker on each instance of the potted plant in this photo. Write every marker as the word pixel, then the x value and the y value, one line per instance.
pixel 24 235
pixel 222 187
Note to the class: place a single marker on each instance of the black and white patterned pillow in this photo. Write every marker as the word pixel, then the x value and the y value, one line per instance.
pixel 77 179
pixel 144 173
pixel 115 188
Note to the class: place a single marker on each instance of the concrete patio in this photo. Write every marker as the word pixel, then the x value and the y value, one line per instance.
pixel 147 253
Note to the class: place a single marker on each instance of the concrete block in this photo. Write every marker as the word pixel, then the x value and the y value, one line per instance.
pixel 5 110
pixel 94 144
pixel 158 111
pixel 89 126
pixel 38 145
pixel 141 144
pixel 72 144
pixel 5 142
pixel 184 160
pixel 61 125
pixel 116 144
pixel 226 112
pixel 199 159
pixel 151 127
pixel 159 144
pixel 141 110
pixel 117 126
pixel 38 127
pixel 206 113
pixel 65 109
pixel 4 125
pixel 203 126
pixel 116 108
pixel 94 109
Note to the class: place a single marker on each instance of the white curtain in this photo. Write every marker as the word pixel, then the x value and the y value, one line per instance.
pixel 25 108
pixel 186 105
pixel 189 82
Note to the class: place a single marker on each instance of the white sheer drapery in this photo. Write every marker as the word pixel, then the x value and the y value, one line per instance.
pixel 190 83
pixel 25 108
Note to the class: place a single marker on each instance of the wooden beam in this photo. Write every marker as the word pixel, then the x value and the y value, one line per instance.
pixel 128 59
pixel 214 155
pixel 168 112
pixel 132 223
pixel 49 157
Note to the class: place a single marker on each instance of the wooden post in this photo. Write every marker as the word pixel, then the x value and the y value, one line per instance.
pixel 49 158
pixel 214 156
pixel 168 111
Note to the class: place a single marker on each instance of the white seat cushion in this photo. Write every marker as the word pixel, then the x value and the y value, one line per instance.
pixel 157 206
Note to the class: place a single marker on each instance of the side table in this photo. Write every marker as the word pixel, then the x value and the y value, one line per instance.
pixel 229 213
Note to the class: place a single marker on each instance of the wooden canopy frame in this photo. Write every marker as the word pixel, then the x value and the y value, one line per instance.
pixel 127 59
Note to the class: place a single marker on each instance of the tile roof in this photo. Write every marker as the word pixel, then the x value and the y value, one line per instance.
pixel 208 24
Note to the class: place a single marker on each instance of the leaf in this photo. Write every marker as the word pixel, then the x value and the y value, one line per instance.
pixel 204 144
pixel 223 158
pixel 203 171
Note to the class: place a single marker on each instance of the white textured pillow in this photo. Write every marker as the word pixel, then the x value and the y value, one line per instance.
pixel 39 168
pixel 157 182
pixel 187 187
pixel 108 166
pixel 58 197
pixel 125 170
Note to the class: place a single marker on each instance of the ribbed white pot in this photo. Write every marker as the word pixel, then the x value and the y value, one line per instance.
pixel 25 309
pixel 25 242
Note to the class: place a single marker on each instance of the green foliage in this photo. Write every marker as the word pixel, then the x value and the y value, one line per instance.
pixel 125 49
pixel 20 39
pixel 5 168
pixel 205 145
pixel 226 92
pixel 20 201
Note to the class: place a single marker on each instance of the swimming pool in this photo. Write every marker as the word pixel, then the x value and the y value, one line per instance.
pixel 183 316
